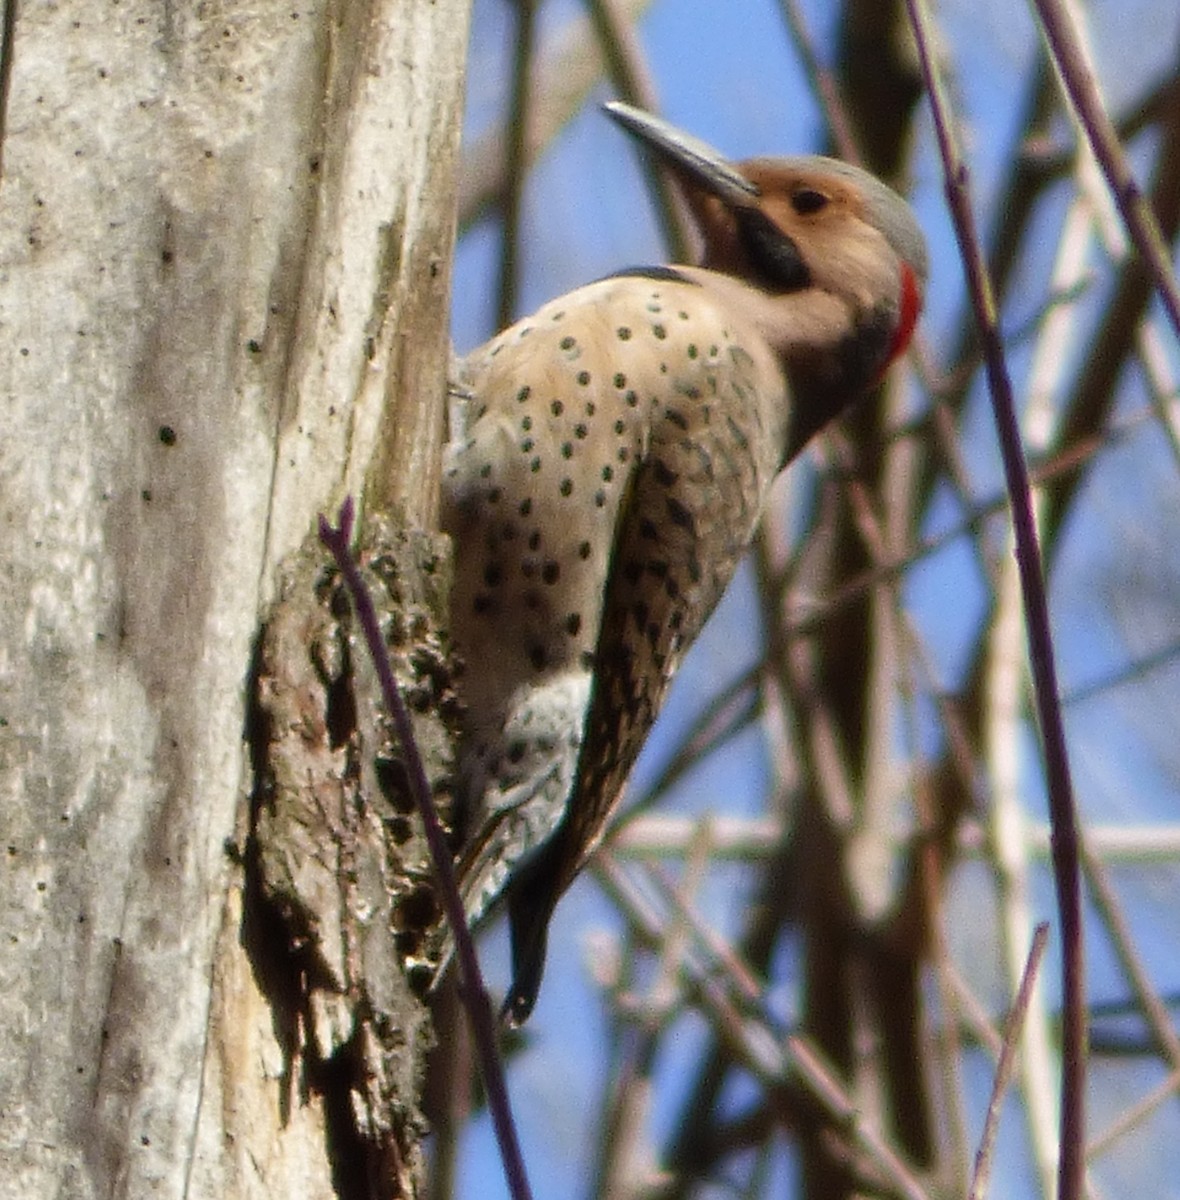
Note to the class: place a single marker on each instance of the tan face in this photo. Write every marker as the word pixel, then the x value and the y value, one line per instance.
pixel 821 214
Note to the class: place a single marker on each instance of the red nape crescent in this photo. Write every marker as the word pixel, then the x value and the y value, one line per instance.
pixel 909 309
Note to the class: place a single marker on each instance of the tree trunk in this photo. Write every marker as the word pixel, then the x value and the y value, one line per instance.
pixel 225 237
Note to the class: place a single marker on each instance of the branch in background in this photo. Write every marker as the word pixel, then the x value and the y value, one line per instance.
pixel 564 76
pixel 1007 1065
pixel 632 80
pixel 825 1085
pixel 1091 402
pixel 1066 868
pixel 473 993
pixel 1086 99
pixel 731 999
pixel 880 82
pixel 823 84
pixel 1053 160
pixel 520 115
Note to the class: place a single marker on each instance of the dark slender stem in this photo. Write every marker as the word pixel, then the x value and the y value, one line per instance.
pixel 1082 89
pixel 473 993
pixel 1062 812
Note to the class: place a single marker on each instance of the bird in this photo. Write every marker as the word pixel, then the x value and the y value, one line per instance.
pixel 609 459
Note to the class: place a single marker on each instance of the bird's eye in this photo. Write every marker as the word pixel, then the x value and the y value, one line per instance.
pixel 807 200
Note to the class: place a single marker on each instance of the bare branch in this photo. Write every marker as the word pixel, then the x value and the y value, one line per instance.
pixel 1066 870
pixel 1003 1077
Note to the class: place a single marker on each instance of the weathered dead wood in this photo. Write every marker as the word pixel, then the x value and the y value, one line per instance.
pixel 225 238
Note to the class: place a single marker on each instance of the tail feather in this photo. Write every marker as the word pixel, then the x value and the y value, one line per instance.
pixel 532 897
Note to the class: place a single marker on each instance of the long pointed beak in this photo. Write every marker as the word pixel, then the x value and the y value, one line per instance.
pixel 686 154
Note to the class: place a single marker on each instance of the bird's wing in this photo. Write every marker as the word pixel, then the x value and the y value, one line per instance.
pixel 689 516
pixel 685 521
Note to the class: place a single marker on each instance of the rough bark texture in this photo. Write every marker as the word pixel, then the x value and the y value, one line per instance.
pixel 224 245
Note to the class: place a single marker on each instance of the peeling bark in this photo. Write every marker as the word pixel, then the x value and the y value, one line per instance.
pixel 338 890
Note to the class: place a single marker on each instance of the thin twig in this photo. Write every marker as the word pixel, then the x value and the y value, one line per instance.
pixel 1082 89
pixel 1155 1011
pixel 1162 383
pixel 1133 672
pixel 1045 156
pixel 1130 1117
pixel 976 1020
pixel 987 1142
pixel 473 993
pixel 1066 869
pixel 824 1084
pixel 1057 332
pixel 917 909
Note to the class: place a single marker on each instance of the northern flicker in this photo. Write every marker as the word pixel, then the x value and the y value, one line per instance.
pixel 607 476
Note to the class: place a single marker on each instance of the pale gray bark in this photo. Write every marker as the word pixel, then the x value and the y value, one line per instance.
pixel 225 235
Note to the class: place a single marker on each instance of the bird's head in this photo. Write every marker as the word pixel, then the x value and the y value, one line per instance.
pixel 835 256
